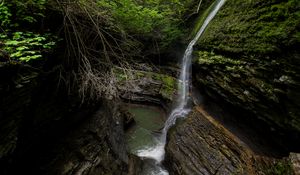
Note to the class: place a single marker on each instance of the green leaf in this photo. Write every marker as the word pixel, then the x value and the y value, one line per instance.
pixel 21 48
pixel 12 42
pixel 17 54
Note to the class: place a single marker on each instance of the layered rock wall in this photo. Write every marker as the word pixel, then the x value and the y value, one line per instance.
pixel 248 57
pixel 46 130
pixel 201 145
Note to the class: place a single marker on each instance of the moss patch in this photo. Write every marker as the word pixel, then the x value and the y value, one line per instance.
pixel 250 58
pixel 260 27
pixel 167 85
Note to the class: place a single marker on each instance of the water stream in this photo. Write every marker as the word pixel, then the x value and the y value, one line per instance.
pixel 181 108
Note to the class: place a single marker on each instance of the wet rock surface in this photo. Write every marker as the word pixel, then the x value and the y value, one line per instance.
pixel 97 146
pixel 45 130
pixel 249 58
pixel 93 145
pixel 198 147
pixel 135 165
pixel 146 87
pixel 201 145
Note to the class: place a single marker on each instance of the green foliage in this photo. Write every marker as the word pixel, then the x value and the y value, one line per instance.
pixel 20 44
pixel 26 46
pixel 151 18
pixel 4 14
pixel 133 17
pixel 14 12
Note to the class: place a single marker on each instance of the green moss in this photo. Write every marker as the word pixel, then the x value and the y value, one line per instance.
pixel 233 71
pixel 201 19
pixel 251 27
pixel 280 168
pixel 168 87
pixel 168 83
pixel 257 52
pixel 204 57
pixel 167 92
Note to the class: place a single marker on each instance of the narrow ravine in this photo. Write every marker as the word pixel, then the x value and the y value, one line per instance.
pixel 181 107
pixel 152 87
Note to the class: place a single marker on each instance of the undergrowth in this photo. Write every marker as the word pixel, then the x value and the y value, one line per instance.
pixel 95 34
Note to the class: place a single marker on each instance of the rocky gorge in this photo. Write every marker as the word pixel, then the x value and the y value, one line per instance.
pixel 244 94
pixel 247 62
pixel 82 138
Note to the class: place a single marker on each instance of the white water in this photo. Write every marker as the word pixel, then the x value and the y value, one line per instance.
pixel 181 109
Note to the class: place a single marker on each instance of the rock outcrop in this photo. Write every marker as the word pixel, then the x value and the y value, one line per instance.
pixel 146 87
pixel 249 57
pixel 201 145
pixel 45 130
pixel 97 146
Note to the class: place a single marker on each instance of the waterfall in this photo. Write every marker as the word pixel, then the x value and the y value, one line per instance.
pixel 181 108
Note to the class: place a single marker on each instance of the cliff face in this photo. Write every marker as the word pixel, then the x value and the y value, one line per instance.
pixel 95 146
pixel 247 61
pixel 249 58
pixel 45 130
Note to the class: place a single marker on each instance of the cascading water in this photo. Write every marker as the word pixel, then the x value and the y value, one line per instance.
pixel 181 108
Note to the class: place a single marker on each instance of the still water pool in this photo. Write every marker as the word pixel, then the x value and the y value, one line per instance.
pixel 149 122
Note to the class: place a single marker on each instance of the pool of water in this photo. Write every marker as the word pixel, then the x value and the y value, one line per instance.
pixel 149 122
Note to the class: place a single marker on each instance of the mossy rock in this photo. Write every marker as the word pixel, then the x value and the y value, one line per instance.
pixel 249 56
pixel 260 27
pixel 156 84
